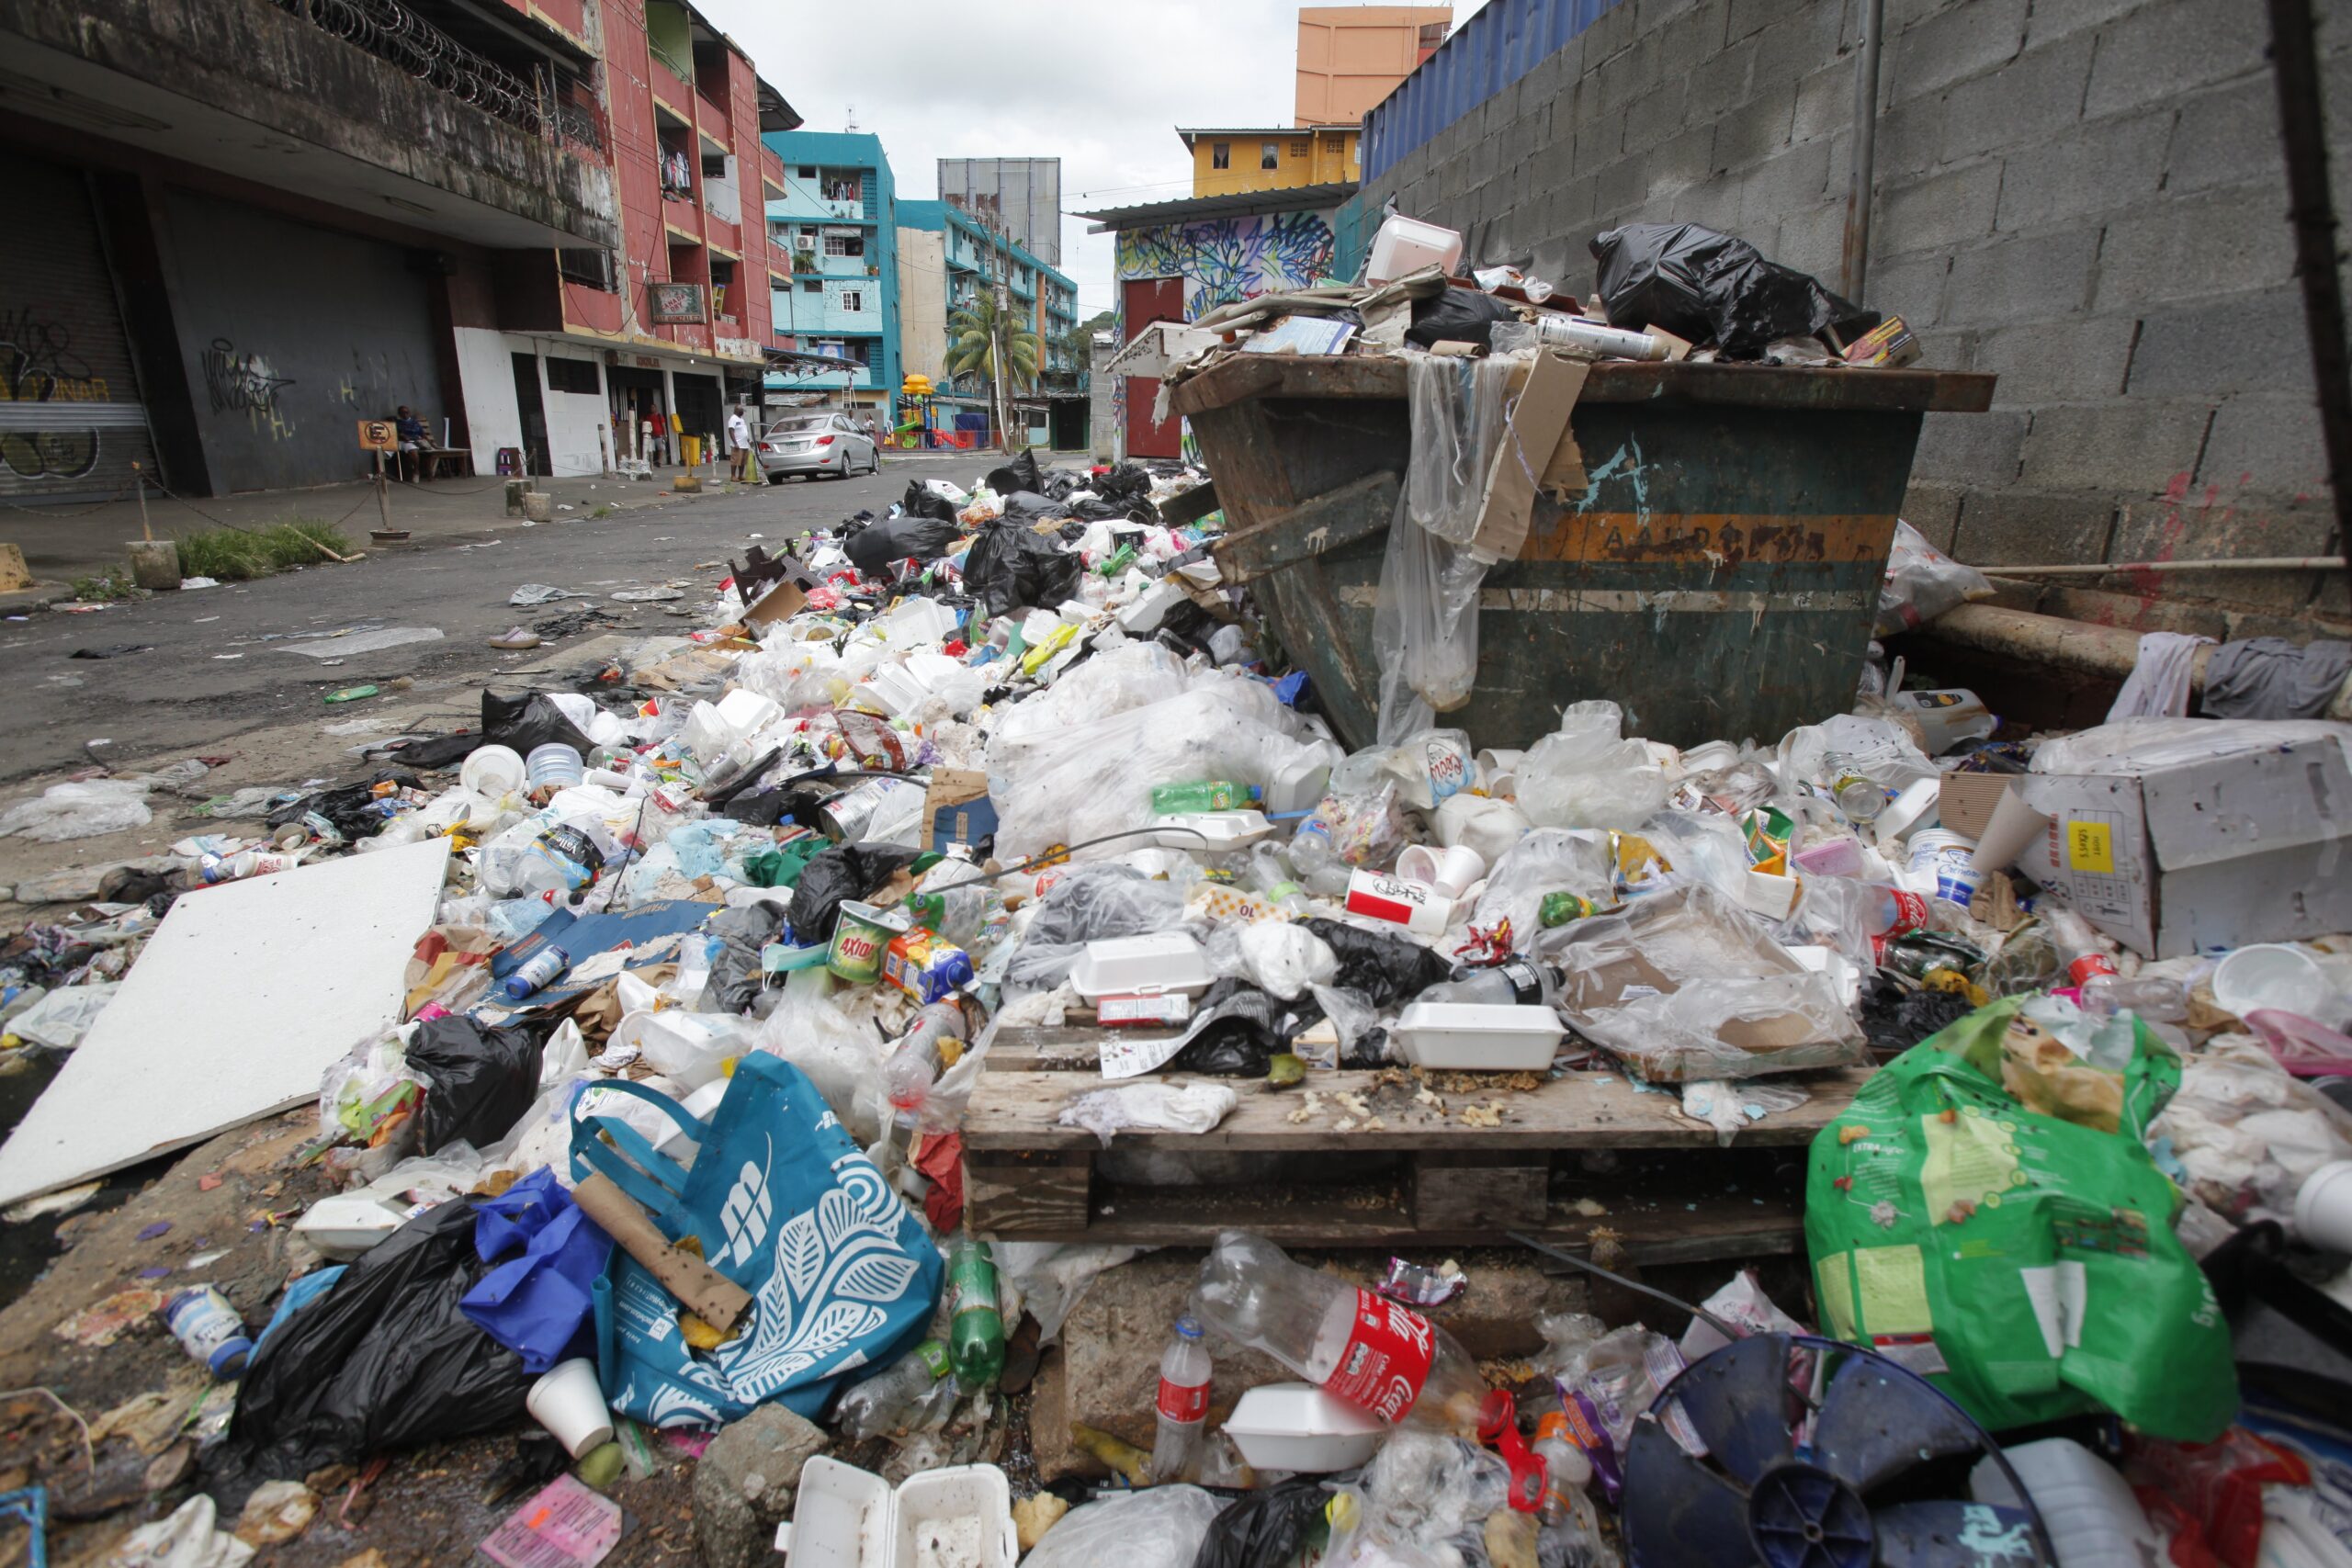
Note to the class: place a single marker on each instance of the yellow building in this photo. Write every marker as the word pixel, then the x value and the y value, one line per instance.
pixel 1278 157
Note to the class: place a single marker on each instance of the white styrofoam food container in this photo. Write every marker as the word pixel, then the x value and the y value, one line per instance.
pixel 846 1517
pixel 1141 965
pixel 343 1226
pixel 1297 1427
pixel 1406 245
pixel 1211 833
pixel 1478 1036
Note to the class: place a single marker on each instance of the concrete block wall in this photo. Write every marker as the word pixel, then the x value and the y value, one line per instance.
pixel 2087 197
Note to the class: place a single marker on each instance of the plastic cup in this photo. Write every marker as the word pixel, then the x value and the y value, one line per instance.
pixel 554 765
pixel 1450 870
pixel 2274 975
pixel 493 772
pixel 569 1402
pixel 2324 1207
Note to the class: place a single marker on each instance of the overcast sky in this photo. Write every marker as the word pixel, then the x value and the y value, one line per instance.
pixel 1101 85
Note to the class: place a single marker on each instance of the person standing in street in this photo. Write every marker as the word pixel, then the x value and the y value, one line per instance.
pixel 739 441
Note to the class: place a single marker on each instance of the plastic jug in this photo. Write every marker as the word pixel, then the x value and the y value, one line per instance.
pixel 2093 1519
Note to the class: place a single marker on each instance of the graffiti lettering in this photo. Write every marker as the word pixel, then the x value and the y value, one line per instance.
pixel 235 381
pixel 38 365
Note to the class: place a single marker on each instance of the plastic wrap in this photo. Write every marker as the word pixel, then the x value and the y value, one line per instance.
pixel 1425 1499
pixel 1088 780
pixel 1583 776
pixel 1548 859
pixel 61 1018
pixel 841 1055
pixel 1284 960
pixel 1683 984
pixel 1922 582
pixel 2134 745
pixel 1150 1106
pixel 1120 681
pixel 2247 1133
pixel 83 810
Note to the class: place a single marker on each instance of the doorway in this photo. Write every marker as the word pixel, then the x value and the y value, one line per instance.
pixel 1150 300
pixel 533 410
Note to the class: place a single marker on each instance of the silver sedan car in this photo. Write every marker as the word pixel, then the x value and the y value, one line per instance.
pixel 813 443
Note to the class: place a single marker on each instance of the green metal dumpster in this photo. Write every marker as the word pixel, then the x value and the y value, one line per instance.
pixel 1718 577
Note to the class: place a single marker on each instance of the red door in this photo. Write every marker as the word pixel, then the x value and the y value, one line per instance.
pixel 1150 300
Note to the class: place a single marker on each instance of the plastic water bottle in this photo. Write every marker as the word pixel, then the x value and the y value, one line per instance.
pixel 539 969
pixel 1183 1404
pixel 2159 1000
pixel 975 1331
pixel 1320 867
pixel 1378 1355
pixel 913 1065
pixel 1201 794
pixel 2084 954
pixel 1515 982
pixel 881 1405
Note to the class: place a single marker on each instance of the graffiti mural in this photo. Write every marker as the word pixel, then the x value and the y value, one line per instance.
pixel 38 365
pixel 1228 259
pixel 243 383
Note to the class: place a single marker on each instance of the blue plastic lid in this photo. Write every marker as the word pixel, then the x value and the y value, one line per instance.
pixel 1188 1326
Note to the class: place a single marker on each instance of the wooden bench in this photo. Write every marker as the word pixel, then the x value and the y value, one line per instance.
pixel 1563 1158
pixel 448 460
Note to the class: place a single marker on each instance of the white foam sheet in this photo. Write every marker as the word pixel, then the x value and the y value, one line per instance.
pixel 245 996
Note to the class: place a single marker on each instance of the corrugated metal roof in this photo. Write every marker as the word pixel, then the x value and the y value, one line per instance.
pixel 1503 42
pixel 1240 204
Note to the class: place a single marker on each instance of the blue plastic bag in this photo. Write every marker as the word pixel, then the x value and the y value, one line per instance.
pixel 538 1302
pixel 843 1280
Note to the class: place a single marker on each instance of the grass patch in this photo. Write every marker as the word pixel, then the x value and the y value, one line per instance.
pixel 113 584
pixel 601 513
pixel 234 556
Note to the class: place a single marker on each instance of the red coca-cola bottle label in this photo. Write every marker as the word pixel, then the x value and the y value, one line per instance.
pixel 1387 1358
pixel 1910 913
pixel 2089 964
pixel 1185 1406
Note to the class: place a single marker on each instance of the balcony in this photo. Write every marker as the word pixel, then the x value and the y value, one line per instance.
pixel 798 312
pixel 805 378
pixel 356 102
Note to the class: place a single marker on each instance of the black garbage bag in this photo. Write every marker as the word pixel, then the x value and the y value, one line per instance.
pixel 1028 505
pixel 349 809
pixel 384 1359
pixel 479 1080
pixel 1706 286
pixel 1458 315
pixel 1237 1030
pixel 1389 970
pixel 845 872
pixel 1022 473
pixel 1265 1529
pixel 921 500
pixel 735 974
pixel 1011 568
pixel 901 538
pixel 519 722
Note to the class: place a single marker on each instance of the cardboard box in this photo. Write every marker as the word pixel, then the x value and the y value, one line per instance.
pixel 2185 853
pixel 958 808
pixel 1157 347
pixel 778 604
pixel 1964 802
pixel 1539 424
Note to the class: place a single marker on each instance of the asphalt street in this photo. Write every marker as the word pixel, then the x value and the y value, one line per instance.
pixel 215 664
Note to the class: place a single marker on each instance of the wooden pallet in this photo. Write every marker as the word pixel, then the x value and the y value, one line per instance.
pixel 1417 1176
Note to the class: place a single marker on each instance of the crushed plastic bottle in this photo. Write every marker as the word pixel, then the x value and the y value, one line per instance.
pixel 883 1404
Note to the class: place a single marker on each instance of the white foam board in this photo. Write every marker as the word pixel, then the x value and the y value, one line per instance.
pixel 245 996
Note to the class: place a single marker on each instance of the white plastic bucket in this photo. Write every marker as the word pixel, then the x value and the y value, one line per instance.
pixel 554 766
pixel 493 772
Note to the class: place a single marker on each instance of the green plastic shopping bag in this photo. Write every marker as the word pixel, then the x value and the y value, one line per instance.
pixel 2026 1264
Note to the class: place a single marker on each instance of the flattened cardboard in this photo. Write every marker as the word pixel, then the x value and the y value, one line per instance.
pixel 958 808
pixel 778 604
pixel 1538 421
pixel 1965 801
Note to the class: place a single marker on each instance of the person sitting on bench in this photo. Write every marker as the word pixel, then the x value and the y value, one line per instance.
pixel 409 432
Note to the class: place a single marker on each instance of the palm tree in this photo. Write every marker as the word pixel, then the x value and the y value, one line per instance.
pixel 990 336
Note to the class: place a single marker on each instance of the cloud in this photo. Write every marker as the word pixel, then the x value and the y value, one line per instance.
pixel 1101 85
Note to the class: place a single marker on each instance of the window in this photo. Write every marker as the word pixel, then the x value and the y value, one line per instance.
pixel 811 285
pixel 573 376
pixel 1268 155
pixel 806 172
pixel 1220 155
pixel 1298 148
pixel 592 268
pixel 1432 35
pixel 852 299
pixel 845 245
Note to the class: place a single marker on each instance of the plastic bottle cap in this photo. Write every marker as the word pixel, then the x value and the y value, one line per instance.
pixel 1189 1327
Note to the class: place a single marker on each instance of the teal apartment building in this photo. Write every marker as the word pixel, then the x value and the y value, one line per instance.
pixel 837 223
pixel 949 258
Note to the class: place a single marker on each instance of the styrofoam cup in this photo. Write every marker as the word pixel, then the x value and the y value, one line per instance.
pixel 2274 975
pixel 493 772
pixel 2324 1207
pixel 1451 870
pixel 570 1402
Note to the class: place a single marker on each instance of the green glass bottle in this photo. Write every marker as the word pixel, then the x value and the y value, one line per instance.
pixel 975 1333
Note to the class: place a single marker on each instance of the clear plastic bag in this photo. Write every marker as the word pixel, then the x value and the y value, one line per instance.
pixel 1162 1526
pixel 2247 1133
pixel 1283 960
pixel 1566 780
pixel 1459 410
pixel 1548 859
pixel 1151 1106
pixel 841 1055
pixel 61 1018
pixel 1424 626
pixel 83 810
pixel 1922 582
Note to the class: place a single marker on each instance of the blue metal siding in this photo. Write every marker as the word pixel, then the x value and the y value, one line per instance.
pixel 1503 42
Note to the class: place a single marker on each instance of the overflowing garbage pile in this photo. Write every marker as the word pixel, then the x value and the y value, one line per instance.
pixel 656 1149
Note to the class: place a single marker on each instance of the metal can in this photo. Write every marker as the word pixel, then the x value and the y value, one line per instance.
pixel 848 815
pixel 860 936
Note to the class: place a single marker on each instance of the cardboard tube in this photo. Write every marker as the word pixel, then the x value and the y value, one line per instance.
pixel 701 1289
pixel 2011 827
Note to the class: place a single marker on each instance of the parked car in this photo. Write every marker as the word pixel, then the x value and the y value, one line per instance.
pixel 814 444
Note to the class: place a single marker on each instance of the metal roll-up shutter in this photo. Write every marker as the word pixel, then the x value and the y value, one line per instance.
pixel 71 422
